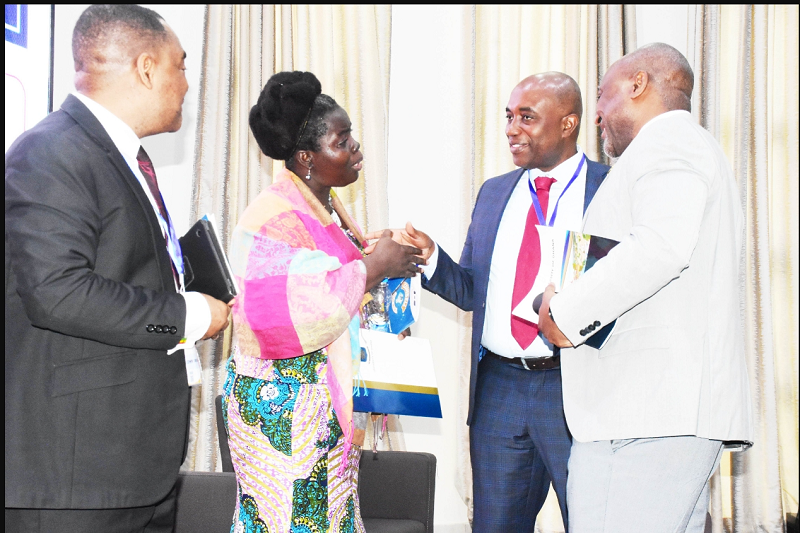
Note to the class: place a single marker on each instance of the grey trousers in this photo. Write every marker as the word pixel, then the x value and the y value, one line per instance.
pixel 641 485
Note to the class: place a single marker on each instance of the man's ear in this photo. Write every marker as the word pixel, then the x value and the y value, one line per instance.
pixel 640 82
pixel 145 69
pixel 569 124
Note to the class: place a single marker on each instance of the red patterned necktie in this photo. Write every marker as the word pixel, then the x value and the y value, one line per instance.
pixel 528 264
pixel 146 166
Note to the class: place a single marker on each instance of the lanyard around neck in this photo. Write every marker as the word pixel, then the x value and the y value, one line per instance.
pixel 173 244
pixel 535 198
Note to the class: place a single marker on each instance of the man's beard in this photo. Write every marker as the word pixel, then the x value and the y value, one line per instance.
pixel 619 134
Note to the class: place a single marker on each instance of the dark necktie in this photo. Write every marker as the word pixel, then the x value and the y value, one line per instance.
pixel 528 264
pixel 146 166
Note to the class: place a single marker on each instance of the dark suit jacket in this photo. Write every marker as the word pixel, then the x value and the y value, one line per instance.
pixel 96 411
pixel 465 283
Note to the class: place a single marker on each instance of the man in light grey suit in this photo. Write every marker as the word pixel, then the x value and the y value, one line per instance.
pixel 651 411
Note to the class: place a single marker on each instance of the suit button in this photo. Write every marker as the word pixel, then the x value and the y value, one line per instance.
pixel 591 327
pixel 597 323
pixel 159 329
pixel 150 328
pixel 165 329
pixel 173 330
pixel 582 332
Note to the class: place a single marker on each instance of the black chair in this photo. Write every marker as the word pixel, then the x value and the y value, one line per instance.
pixel 206 501
pixel 396 491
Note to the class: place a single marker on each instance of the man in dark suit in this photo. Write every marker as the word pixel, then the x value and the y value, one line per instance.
pixel 96 390
pixel 519 440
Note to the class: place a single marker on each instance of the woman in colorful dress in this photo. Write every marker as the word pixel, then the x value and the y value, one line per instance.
pixel 302 274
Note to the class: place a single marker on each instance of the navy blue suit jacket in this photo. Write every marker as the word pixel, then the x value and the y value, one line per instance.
pixel 465 283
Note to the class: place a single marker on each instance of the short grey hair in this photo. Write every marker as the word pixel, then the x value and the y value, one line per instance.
pixel 668 71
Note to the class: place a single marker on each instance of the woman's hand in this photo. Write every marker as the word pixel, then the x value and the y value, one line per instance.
pixel 409 236
pixel 389 259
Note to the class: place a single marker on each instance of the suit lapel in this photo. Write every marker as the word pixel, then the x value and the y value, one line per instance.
pixel 86 120
pixel 489 212
pixel 595 174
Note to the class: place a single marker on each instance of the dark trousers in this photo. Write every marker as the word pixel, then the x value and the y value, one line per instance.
pixel 158 518
pixel 519 443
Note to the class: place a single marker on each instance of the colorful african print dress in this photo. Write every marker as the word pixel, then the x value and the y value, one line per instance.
pixel 288 395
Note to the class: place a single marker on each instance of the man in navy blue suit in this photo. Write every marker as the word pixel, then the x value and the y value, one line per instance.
pixel 519 441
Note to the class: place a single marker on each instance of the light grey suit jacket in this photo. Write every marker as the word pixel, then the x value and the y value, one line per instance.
pixel 674 364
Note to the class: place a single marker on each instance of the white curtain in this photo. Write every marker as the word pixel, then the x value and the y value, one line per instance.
pixel 347 48
pixel 745 59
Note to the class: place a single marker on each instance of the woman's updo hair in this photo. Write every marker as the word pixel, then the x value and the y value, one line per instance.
pixel 290 114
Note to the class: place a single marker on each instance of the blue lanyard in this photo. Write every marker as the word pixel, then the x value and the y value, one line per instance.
pixel 537 206
pixel 173 244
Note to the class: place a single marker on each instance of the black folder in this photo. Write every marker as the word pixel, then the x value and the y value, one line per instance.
pixel 205 265
pixel 598 249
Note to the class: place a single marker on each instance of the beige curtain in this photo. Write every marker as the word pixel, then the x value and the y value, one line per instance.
pixel 746 66
pixel 511 43
pixel 347 48
pixel 759 131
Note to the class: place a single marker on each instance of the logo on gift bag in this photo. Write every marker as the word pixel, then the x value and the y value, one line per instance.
pixel 401 298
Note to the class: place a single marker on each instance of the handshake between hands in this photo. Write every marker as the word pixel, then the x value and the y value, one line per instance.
pixel 397 253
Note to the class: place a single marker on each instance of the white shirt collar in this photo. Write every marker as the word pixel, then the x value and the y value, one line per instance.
pixel 123 137
pixel 562 173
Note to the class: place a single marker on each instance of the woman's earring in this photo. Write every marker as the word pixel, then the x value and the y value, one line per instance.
pixel 308 176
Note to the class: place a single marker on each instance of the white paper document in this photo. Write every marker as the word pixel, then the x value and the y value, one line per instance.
pixel 563 260
pixel 565 256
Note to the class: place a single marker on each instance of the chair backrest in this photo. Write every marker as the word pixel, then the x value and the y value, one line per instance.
pixel 222 436
pixel 397 485
pixel 205 502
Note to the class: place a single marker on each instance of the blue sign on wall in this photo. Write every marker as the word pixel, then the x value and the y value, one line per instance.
pixel 17 24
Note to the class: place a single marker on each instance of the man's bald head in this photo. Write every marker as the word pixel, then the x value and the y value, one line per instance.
pixel 110 37
pixel 668 70
pixel 563 89
pixel 654 79
pixel 543 117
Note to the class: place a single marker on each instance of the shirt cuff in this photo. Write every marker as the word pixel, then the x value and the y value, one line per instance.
pixel 433 260
pixel 198 319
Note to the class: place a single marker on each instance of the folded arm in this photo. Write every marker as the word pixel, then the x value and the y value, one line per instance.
pixel 667 210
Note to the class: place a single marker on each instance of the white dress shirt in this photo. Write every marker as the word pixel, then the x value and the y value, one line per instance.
pixel 198 314
pixel 497 323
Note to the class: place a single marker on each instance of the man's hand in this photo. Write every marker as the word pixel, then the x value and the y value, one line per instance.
pixel 547 327
pixel 220 312
pixel 388 259
pixel 409 236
